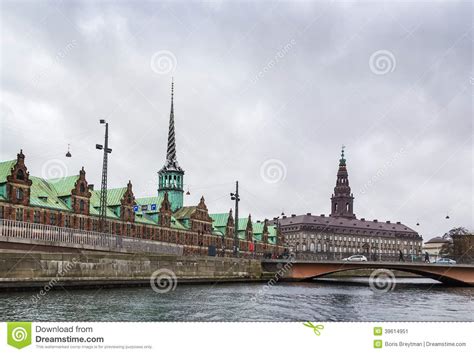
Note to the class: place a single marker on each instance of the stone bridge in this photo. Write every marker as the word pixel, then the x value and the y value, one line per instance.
pixel 295 270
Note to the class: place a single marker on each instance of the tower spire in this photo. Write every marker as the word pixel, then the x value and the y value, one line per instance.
pixel 171 151
pixel 171 176
pixel 342 201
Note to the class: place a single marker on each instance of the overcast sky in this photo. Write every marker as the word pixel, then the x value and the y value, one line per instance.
pixel 265 93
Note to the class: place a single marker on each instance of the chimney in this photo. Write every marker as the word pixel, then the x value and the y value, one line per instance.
pixel 322 215
pixel 293 215
pixel 90 187
pixel 362 219
pixel 388 221
pixel 309 214
pixel 375 220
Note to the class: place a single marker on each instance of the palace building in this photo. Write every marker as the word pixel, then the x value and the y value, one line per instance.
pixel 72 202
pixel 341 234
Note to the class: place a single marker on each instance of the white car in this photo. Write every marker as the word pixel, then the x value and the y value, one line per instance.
pixel 445 261
pixel 356 258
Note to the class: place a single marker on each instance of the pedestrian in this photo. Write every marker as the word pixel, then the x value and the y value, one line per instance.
pixel 427 258
pixel 400 256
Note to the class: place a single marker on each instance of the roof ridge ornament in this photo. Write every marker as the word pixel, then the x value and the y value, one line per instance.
pixel 342 161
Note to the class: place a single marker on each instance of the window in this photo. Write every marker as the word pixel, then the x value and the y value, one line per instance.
pixel 52 218
pixel 19 194
pixel 19 214
pixel 20 175
pixel 67 221
pixel 1 212
pixel 82 188
pixel 36 216
pixel 81 204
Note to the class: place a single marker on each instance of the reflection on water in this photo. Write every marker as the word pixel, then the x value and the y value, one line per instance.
pixel 321 301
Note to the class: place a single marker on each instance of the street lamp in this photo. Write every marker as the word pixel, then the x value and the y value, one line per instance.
pixel 235 196
pixel 103 191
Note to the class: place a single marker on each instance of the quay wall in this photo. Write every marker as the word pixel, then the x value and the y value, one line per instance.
pixel 20 270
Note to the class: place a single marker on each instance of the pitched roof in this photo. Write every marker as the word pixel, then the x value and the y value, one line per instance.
pixel 257 227
pixel 219 220
pixel 149 201
pixel 5 169
pixel 114 196
pixel 243 224
pixel 95 205
pixel 439 240
pixel 175 224
pixel 184 212
pixel 331 221
pixel 143 219
pixel 43 195
pixel 63 186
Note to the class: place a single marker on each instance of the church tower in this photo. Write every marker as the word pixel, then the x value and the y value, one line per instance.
pixel 342 201
pixel 171 176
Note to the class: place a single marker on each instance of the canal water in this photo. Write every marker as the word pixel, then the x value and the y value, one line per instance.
pixel 410 300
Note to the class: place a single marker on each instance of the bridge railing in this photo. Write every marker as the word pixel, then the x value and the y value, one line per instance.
pixel 330 256
pixel 11 231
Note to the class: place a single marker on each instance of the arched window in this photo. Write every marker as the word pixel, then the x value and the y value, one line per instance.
pixel 81 204
pixel 311 247
pixel 82 188
pixel 20 175
pixel 347 206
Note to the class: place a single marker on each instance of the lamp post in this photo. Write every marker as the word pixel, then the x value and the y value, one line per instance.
pixel 103 190
pixel 276 221
pixel 235 196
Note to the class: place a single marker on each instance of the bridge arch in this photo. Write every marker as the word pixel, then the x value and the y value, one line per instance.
pixel 458 275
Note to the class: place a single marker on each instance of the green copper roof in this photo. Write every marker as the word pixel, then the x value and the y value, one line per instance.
pixel 272 231
pixel 257 228
pixel 175 224
pixel 5 169
pixel 142 219
pixel 95 205
pixel 243 223
pixel 149 201
pixel 43 195
pixel 184 212
pixel 63 186
pixel 114 196
pixel 219 220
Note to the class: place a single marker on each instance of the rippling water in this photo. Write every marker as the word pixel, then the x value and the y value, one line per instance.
pixel 246 302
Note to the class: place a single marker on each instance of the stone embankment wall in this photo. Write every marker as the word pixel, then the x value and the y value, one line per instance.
pixel 29 270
